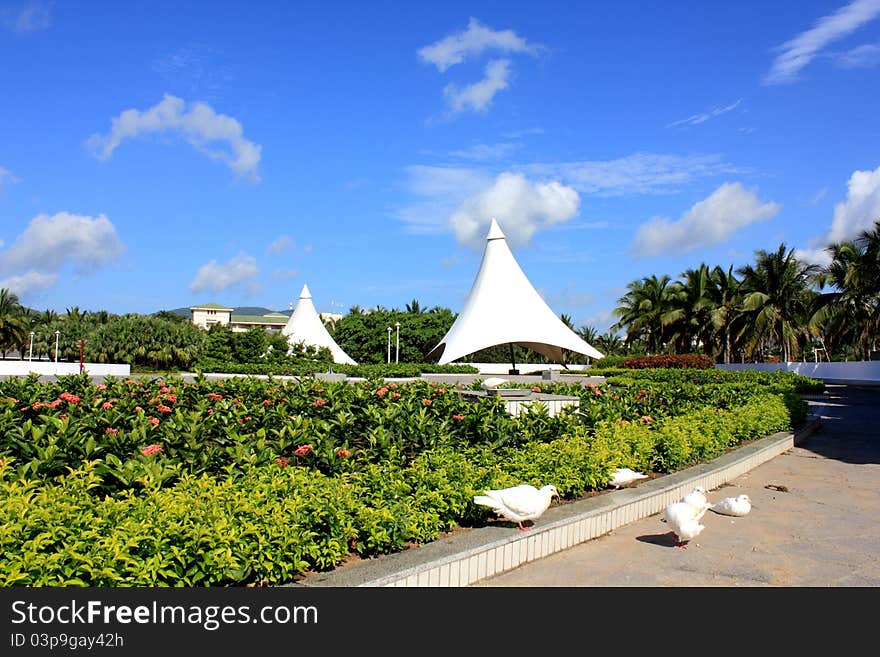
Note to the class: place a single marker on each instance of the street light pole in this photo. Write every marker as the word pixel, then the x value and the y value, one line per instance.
pixel 397 344
pixel 57 335
pixel 31 350
pixel 388 359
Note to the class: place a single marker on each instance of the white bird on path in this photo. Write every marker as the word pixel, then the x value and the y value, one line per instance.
pixel 623 476
pixel 684 519
pixel 733 506
pixel 696 498
pixel 493 382
pixel 519 503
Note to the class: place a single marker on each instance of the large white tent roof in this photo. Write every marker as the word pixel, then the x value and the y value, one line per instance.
pixel 305 326
pixel 502 308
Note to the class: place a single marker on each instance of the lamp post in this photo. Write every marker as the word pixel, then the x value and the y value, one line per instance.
pixel 397 344
pixel 31 350
pixel 388 358
pixel 57 335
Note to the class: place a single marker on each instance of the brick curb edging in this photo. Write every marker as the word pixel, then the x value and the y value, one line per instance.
pixel 480 553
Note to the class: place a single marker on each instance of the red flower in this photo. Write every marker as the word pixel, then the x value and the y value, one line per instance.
pixel 164 390
pixel 458 417
pixel 101 386
pixel 426 402
pixel 647 418
pixel 154 421
pixel 163 409
pixel 396 395
pixel 149 450
pixel 267 402
pixel 283 461
pixel 63 416
pixel 303 450
pixel 536 389
pixel 318 402
pixel 171 398
pixel 210 411
pixel 343 453
pixel 138 409
pixel 214 395
pixel 381 392
pixel 106 406
pixel 66 396
pixel 37 405
pixel 111 431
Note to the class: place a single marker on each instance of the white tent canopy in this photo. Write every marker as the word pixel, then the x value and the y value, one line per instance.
pixel 305 326
pixel 502 308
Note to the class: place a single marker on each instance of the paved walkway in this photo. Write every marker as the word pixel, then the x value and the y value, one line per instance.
pixel 815 521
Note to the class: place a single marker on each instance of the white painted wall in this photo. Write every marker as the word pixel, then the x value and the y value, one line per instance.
pixel 858 370
pixel 50 368
pixel 524 368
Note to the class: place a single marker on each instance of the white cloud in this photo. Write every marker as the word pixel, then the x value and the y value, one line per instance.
pixel 50 243
pixel 476 39
pixel 282 274
pixel 241 271
pixel 799 51
pixel 710 221
pixel 31 16
pixel 481 152
pixel 520 206
pixel 859 210
pixel 29 282
pixel 479 95
pixel 279 245
pixel 639 173
pixel 6 177
pixel 864 56
pixel 199 124
pixel 696 119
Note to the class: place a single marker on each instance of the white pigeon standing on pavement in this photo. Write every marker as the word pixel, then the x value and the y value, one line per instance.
pixel 519 503
pixel 696 498
pixel 684 519
pixel 623 476
pixel 733 506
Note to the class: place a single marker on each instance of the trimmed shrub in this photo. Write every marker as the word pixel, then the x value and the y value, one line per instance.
pixel 667 361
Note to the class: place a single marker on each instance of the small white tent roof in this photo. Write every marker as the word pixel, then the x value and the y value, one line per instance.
pixel 502 308
pixel 306 326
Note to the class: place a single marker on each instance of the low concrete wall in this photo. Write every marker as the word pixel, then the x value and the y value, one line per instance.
pixel 524 368
pixel 50 368
pixel 858 370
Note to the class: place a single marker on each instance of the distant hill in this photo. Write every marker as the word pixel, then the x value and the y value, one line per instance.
pixel 241 310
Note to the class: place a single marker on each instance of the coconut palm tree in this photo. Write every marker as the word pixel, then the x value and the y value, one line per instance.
pixel 726 316
pixel 14 325
pixel 689 319
pixel 641 311
pixel 776 291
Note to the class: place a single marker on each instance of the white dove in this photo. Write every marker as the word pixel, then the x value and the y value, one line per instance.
pixel 733 506
pixel 493 382
pixel 623 476
pixel 696 498
pixel 684 519
pixel 518 503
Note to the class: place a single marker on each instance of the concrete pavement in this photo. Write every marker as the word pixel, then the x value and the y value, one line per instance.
pixel 815 521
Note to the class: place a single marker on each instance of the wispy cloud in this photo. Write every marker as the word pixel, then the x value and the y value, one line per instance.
pixel 482 152
pixel 279 245
pixel 864 56
pixel 199 124
pixel 241 271
pixel 476 39
pixel 31 16
pixel 25 285
pixel 710 221
pixel 639 173
pixel 6 178
pixel 282 274
pixel 696 119
pixel 472 42
pixel 193 69
pixel 478 96
pixel 801 50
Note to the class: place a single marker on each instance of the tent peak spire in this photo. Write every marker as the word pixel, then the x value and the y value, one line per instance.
pixel 305 294
pixel 494 231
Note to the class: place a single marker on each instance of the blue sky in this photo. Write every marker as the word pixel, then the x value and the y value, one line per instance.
pixel 161 154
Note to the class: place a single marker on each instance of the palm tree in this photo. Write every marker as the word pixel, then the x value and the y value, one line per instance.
pixel 641 311
pixel 725 313
pixel 776 291
pixel 14 323
pixel 690 317
pixel 414 308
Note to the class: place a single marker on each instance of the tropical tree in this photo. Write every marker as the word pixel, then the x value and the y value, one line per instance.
pixel 14 325
pixel 641 311
pixel 726 315
pixel 776 290
pixel 689 318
